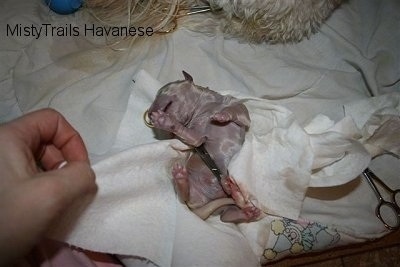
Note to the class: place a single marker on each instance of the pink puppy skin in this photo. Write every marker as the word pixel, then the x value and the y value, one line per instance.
pixel 198 115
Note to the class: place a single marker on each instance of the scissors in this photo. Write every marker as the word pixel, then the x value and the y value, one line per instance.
pixel 200 150
pixel 383 208
pixel 210 163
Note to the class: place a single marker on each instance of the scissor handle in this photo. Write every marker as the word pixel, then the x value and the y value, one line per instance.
pixel 391 217
pixel 390 220
pixel 394 194
pixel 396 197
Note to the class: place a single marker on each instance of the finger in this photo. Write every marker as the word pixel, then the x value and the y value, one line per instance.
pixel 51 157
pixel 47 126
pixel 32 207
pixel 62 186
pixel 54 191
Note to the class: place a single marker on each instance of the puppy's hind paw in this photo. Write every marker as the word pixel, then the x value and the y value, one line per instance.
pixel 179 172
pixel 252 213
pixel 181 181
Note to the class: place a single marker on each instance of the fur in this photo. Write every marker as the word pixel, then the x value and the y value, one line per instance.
pixel 272 21
pixel 257 21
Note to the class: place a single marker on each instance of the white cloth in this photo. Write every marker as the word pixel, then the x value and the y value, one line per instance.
pixel 280 159
pixel 377 119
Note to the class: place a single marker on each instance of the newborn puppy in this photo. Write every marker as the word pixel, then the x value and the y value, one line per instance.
pixel 198 115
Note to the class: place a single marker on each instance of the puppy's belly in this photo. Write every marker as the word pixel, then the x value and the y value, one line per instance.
pixel 203 185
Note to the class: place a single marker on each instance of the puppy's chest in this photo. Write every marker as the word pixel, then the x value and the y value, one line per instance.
pixel 201 117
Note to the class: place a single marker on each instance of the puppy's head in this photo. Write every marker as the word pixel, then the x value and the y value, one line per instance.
pixel 178 99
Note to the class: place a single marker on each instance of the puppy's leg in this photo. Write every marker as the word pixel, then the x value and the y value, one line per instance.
pixel 213 207
pixel 234 214
pixel 164 121
pixel 181 182
pixel 244 210
pixel 236 113
pixel 231 188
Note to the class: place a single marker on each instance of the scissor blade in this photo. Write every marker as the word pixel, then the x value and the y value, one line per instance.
pixel 210 163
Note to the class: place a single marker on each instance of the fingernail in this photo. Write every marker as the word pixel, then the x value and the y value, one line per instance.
pixel 62 164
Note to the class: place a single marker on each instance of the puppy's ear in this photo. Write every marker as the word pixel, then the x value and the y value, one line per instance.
pixel 187 76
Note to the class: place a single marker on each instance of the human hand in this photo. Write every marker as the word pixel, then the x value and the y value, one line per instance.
pixel 31 198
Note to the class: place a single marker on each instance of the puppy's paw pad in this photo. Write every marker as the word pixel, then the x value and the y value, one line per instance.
pixel 179 172
pixel 162 120
pixel 222 116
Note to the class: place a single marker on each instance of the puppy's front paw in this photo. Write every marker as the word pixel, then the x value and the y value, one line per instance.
pixel 222 117
pixel 163 121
